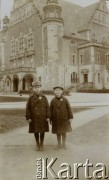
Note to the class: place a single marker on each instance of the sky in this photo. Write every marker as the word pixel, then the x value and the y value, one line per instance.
pixel 6 5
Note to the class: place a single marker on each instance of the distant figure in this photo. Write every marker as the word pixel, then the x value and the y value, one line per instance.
pixel 61 116
pixel 37 114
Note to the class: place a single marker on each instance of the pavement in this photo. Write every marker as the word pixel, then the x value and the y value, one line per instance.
pixel 17 147
pixel 75 99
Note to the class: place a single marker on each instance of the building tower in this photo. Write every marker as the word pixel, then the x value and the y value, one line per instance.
pixel 5 22
pixel 52 32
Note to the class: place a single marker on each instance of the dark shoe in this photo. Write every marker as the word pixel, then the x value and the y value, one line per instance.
pixel 41 148
pixel 58 147
pixel 63 146
pixel 38 147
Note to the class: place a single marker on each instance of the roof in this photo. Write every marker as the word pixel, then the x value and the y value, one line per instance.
pixel 68 14
pixel 85 15
pixel 76 18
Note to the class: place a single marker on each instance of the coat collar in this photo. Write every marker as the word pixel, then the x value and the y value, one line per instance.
pixel 58 101
pixel 38 97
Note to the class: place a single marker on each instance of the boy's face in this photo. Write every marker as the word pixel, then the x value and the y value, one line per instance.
pixel 37 89
pixel 58 92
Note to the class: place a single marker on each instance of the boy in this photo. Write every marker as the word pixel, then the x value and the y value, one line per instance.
pixel 37 114
pixel 61 116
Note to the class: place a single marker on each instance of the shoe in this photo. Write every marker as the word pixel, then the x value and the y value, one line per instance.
pixel 63 146
pixel 38 147
pixel 41 148
pixel 58 147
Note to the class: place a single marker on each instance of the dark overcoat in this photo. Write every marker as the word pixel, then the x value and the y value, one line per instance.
pixel 60 114
pixel 37 109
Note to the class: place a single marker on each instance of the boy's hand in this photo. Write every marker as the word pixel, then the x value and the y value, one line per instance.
pixel 48 119
pixel 29 120
pixel 51 122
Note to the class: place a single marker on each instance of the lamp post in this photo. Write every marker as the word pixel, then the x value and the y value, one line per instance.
pixel 65 70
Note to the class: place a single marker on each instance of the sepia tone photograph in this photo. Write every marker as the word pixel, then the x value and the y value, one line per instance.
pixel 54 89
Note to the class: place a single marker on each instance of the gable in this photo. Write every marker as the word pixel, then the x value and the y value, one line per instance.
pixel 97 13
pixel 103 6
pixel 101 15
pixel 85 15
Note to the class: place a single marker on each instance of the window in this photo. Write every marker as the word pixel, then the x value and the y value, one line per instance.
pixel 73 58
pixel 104 40
pixel 30 41
pixel 94 37
pixel 99 17
pixel 57 14
pixel 74 77
pixel 21 44
pixel 7 82
pixel 51 14
pixel 107 59
pixel 81 59
pixel 17 46
pixel 98 57
pixel 31 62
pixel 40 78
pixel 99 78
pixel 85 78
pixel 13 47
pixel 104 19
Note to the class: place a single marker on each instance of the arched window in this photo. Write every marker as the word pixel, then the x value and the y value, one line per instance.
pixel 74 77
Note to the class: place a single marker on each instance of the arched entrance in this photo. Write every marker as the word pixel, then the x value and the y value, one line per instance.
pixel 15 83
pixel 27 81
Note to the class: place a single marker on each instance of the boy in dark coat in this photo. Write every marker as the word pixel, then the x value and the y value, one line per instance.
pixel 61 116
pixel 37 114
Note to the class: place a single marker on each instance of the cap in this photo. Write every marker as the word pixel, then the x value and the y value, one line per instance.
pixel 36 83
pixel 58 86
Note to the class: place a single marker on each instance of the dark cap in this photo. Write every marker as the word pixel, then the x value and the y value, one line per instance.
pixel 58 86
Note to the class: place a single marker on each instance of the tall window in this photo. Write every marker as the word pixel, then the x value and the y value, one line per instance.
pixel 73 58
pixel 17 46
pixel 81 59
pixel 99 79
pixel 104 19
pixel 98 57
pixel 21 44
pixel 30 41
pixel 99 17
pixel 107 59
pixel 13 47
pixel 74 77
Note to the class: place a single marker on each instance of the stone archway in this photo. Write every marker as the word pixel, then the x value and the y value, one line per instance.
pixel 27 81
pixel 15 83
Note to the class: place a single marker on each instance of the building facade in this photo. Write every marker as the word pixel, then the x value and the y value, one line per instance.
pixel 56 42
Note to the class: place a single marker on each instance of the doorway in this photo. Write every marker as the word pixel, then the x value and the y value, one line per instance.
pixel 15 84
pixel 85 78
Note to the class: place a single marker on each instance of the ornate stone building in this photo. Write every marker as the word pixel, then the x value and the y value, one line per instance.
pixel 55 41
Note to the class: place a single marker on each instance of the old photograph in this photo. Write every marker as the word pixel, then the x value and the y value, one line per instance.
pixel 54 89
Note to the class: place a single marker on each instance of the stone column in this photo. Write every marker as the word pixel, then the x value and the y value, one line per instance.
pixel 20 84
pixel 12 86
pixel 3 57
pixel 93 64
